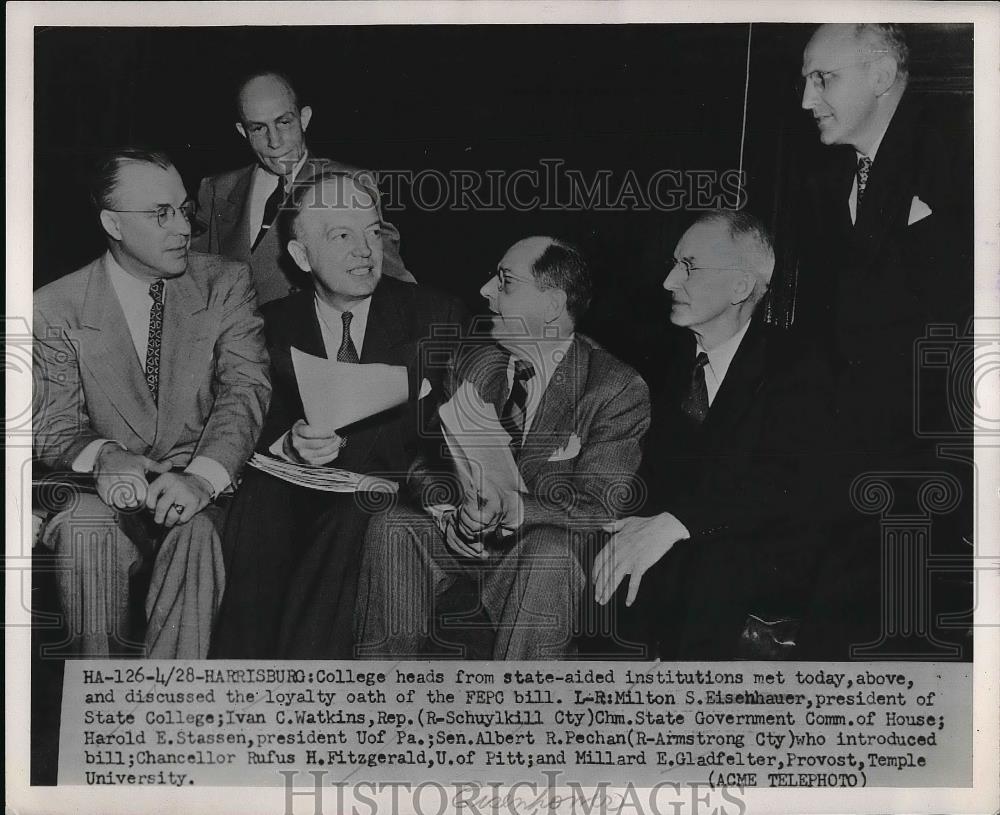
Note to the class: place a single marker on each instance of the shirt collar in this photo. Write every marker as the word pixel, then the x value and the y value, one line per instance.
pixel 874 150
pixel 332 315
pixel 544 358
pixel 125 284
pixel 721 357
pixel 262 173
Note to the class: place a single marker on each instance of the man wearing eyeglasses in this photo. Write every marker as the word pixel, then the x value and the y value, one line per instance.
pixel 151 375
pixel 238 210
pixel 720 554
pixel 886 237
pixel 574 417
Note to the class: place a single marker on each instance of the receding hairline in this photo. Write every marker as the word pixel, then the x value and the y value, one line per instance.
pixel 275 76
pixel 305 198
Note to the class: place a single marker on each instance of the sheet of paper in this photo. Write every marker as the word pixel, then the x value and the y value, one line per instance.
pixel 336 394
pixel 326 479
pixel 477 441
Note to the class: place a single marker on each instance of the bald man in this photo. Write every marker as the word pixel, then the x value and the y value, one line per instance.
pixel 237 210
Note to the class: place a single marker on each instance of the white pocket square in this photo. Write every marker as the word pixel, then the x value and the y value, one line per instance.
pixel 570 450
pixel 918 211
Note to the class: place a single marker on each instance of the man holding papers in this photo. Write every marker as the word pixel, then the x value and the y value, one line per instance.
pixel 292 551
pixel 545 429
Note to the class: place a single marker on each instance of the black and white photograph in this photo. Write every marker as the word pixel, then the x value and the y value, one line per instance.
pixel 502 407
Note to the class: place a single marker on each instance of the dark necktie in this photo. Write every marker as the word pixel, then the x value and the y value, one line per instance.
pixel 271 207
pixel 155 338
pixel 695 402
pixel 864 167
pixel 347 352
pixel 513 413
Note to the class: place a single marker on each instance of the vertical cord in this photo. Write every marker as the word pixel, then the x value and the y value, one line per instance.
pixel 743 132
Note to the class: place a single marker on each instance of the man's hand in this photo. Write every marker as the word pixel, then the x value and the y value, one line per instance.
pixel 313 446
pixel 635 545
pixel 121 476
pixel 176 498
pixel 471 548
pixel 489 510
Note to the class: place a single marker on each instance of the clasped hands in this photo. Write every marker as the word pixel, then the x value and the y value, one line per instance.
pixel 488 511
pixel 635 545
pixel 312 445
pixel 173 497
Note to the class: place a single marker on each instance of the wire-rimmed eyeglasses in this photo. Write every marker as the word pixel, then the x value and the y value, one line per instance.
pixel 165 212
pixel 821 79
pixel 689 267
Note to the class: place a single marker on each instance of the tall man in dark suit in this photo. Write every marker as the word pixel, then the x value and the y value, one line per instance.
pixel 292 553
pixel 725 540
pixel 150 363
pixel 887 254
pixel 576 417
pixel 238 209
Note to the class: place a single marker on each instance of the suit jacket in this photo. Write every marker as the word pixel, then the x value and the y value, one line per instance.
pixel 292 553
pixel 869 291
pixel 214 385
pixel 747 485
pixel 594 403
pixel 224 215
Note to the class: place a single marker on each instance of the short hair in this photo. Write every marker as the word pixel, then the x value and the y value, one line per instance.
pixel 754 239
pixel 561 265
pixel 246 79
pixel 107 169
pixel 890 37
pixel 301 191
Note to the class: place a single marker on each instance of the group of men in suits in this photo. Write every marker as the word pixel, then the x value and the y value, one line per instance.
pixel 707 538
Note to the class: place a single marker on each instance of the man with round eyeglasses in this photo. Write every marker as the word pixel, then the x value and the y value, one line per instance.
pixel 886 261
pixel 151 375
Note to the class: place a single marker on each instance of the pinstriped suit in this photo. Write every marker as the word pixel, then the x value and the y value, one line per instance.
pixel 530 588
pixel 214 389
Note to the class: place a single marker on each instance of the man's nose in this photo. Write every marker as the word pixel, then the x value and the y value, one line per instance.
pixel 489 288
pixel 810 96
pixel 180 224
pixel 674 278
pixel 273 137
pixel 363 246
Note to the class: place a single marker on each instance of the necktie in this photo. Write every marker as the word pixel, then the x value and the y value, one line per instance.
pixel 864 167
pixel 347 352
pixel 512 415
pixel 271 207
pixel 155 338
pixel 695 402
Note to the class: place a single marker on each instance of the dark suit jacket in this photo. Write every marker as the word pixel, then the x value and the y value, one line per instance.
pixel 224 215
pixel 214 385
pixel 747 485
pixel 291 553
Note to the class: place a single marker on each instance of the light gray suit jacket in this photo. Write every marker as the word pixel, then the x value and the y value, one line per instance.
pixel 89 383
pixel 224 214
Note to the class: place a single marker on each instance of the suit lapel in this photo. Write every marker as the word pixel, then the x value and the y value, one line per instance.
pixel 743 379
pixel 556 409
pixel 110 354
pixel 237 242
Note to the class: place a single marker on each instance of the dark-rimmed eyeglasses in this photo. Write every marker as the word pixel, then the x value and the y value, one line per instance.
pixel 165 212
pixel 821 79
pixel 505 278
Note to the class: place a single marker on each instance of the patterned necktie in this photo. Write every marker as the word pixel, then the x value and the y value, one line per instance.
pixel 695 402
pixel 864 167
pixel 347 352
pixel 513 413
pixel 271 207
pixel 155 338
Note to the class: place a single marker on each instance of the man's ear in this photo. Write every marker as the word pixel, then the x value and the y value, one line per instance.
pixel 884 72
pixel 298 253
pixel 305 116
pixel 241 130
pixel 743 288
pixel 111 224
pixel 555 304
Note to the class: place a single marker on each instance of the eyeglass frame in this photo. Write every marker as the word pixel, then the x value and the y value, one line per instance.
pixel 503 276
pixel 689 267
pixel 165 212
pixel 813 76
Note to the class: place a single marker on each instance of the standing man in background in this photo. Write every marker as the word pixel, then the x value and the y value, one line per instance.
pixel 238 210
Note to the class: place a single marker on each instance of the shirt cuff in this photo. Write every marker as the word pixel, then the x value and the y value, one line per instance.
pixel 84 463
pixel 213 472
pixel 278 448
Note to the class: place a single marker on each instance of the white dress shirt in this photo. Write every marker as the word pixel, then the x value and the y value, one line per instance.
pixel 133 295
pixel 331 324
pixel 544 358
pixel 263 184
pixel 719 360
pixel 852 202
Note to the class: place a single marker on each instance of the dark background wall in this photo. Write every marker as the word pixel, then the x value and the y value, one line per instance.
pixel 638 98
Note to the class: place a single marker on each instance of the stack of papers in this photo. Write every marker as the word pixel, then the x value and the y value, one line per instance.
pixel 327 479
